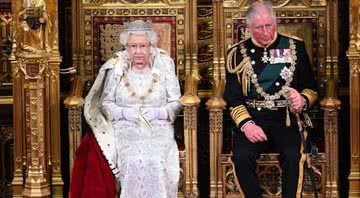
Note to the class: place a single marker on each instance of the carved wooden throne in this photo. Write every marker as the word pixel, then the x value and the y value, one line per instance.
pixel 306 20
pixel 96 37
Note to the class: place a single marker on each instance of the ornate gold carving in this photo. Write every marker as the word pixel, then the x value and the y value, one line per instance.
pixel 354 72
pixel 5 48
pixel 318 2
pixel 190 140
pixel 206 46
pixel 231 186
pixel 355 159
pixel 129 2
pixel 36 183
pixel 75 130
pixel 190 117
pixel 33 68
pixel 268 170
pixel 331 150
pixel 276 3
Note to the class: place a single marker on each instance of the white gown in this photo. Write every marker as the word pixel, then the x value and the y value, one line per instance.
pixel 147 158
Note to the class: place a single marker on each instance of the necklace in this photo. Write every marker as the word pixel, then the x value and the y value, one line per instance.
pixel 149 90
pixel 252 76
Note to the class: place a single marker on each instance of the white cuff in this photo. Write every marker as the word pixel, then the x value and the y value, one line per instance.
pixel 246 123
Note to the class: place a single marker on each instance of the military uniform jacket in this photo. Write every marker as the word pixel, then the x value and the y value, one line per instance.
pixel 261 75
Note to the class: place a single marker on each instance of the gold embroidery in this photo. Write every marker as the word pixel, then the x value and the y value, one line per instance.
pixel 310 95
pixel 239 113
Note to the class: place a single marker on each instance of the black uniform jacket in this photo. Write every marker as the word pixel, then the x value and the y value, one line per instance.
pixel 269 75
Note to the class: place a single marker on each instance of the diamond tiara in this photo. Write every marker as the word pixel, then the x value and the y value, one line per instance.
pixel 138 25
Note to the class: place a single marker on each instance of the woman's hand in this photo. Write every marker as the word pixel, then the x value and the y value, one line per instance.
pixel 131 114
pixel 152 113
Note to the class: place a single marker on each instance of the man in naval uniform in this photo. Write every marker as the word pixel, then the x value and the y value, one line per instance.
pixel 269 80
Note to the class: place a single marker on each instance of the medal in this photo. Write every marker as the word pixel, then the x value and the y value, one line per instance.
pixel 265 57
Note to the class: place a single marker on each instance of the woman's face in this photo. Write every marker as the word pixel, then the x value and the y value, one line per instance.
pixel 139 50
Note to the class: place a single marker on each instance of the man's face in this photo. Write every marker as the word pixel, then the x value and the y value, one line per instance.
pixel 139 50
pixel 263 28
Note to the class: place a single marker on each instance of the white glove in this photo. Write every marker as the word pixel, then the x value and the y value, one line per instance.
pixel 154 113
pixel 130 114
pixel 117 114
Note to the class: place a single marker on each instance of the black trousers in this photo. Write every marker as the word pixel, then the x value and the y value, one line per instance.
pixel 287 142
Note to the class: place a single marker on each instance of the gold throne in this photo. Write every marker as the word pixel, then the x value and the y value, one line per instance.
pixel 96 37
pixel 306 20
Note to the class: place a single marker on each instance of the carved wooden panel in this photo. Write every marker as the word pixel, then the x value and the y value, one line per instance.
pixel 269 174
pixel 206 47
pixel 5 49
pixel 130 1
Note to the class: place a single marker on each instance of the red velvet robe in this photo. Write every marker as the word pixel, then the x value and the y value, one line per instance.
pixel 91 177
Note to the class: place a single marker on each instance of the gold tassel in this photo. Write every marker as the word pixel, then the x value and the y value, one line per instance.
pixel 288 121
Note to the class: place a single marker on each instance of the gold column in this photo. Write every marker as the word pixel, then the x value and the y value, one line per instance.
pixel 35 63
pixel 330 104
pixel 54 100
pixel 354 67
pixel 191 102
pixel 78 38
pixel 18 120
pixel 34 68
pixel 74 104
pixel 54 132
pixel 216 104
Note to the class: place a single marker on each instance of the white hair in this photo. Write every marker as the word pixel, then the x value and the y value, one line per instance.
pixel 254 8
pixel 139 27
pixel 152 36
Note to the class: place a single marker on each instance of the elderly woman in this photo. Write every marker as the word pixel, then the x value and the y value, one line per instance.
pixel 131 109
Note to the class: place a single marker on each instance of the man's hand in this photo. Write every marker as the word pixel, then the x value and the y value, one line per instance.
pixel 254 133
pixel 297 101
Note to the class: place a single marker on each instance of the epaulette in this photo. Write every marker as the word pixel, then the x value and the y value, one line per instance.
pixel 230 62
pixel 294 37
pixel 238 43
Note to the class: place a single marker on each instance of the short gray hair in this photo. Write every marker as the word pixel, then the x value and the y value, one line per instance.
pixel 138 27
pixel 254 9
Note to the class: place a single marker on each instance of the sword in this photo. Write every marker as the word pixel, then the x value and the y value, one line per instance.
pixel 312 170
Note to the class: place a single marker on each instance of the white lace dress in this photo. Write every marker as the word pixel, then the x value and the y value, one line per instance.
pixel 147 158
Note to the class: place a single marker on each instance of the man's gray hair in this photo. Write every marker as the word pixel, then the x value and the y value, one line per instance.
pixel 138 27
pixel 255 7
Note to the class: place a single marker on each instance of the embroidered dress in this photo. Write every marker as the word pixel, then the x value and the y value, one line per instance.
pixel 146 156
